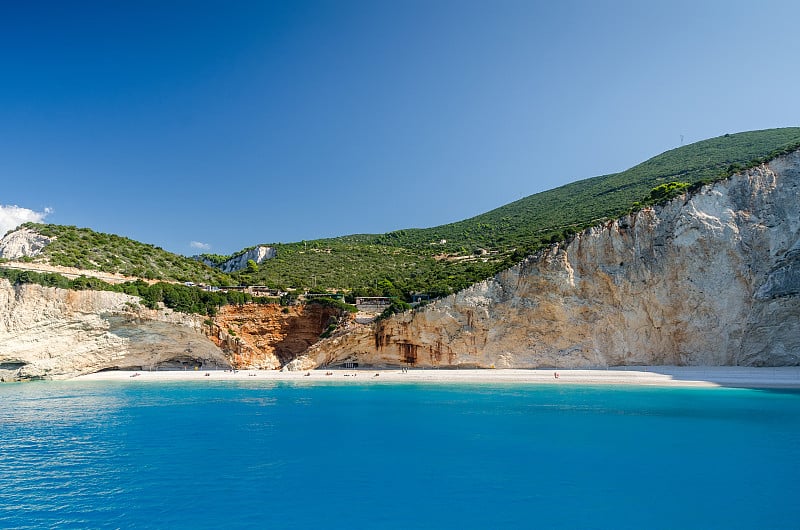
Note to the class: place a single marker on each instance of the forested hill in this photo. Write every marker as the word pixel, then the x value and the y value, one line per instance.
pixel 577 205
pixel 443 259
pixel 446 258
pixel 83 248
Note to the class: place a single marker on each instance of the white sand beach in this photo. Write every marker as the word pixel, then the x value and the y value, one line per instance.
pixel 679 376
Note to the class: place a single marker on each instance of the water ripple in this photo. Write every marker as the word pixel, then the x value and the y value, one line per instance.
pixel 185 455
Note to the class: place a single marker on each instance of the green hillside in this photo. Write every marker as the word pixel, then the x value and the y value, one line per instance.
pixel 586 202
pixel 443 259
pixel 446 258
pixel 86 249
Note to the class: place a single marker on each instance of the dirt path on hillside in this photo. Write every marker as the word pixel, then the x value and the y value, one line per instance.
pixel 72 272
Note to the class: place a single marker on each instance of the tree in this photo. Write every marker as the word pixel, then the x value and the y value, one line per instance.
pixel 387 288
pixel 664 192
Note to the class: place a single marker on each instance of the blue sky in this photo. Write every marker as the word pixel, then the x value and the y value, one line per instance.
pixel 229 124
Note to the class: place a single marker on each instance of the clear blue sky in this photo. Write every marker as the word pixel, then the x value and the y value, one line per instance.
pixel 237 123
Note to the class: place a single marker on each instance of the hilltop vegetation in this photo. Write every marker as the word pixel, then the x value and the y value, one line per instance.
pixel 447 258
pixel 559 212
pixel 86 249
pixel 174 296
pixel 444 259
pixel 367 269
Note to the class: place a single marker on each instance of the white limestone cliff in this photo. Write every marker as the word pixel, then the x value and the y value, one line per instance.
pixel 239 262
pixel 47 332
pixel 708 279
pixel 22 243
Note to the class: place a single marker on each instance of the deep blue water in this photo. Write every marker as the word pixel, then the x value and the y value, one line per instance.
pixel 259 454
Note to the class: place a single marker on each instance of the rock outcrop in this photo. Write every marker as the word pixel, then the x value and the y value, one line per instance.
pixel 47 332
pixel 22 243
pixel 239 262
pixel 269 336
pixel 708 279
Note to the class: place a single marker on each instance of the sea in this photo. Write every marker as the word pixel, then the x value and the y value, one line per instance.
pixel 258 454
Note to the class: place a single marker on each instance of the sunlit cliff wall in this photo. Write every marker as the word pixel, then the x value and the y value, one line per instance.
pixel 708 279
pixel 47 332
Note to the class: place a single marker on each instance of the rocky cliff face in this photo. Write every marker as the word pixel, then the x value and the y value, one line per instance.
pixel 711 279
pixel 238 263
pixel 53 333
pixel 22 243
pixel 258 336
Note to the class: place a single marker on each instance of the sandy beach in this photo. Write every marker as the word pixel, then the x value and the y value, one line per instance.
pixel 667 376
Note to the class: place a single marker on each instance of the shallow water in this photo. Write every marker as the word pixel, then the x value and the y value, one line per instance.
pixel 246 454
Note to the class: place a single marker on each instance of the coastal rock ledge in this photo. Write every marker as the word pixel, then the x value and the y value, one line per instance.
pixel 711 278
pixel 47 332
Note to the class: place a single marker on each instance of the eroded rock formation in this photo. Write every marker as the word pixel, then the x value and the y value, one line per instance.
pixel 22 243
pixel 270 336
pixel 55 333
pixel 47 332
pixel 258 254
pixel 708 279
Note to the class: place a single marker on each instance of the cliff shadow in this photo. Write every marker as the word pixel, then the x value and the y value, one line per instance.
pixel 784 379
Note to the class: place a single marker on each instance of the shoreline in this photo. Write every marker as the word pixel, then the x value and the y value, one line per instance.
pixel 659 376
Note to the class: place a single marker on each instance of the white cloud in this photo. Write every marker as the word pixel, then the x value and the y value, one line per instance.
pixel 200 246
pixel 13 216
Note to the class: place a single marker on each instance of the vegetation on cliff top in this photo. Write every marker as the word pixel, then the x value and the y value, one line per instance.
pixel 447 258
pixel 332 302
pixel 444 259
pixel 86 249
pixel 178 297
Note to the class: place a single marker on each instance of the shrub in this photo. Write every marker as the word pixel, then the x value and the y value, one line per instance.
pixel 397 306
pixel 666 192
pixel 329 330
pixel 332 302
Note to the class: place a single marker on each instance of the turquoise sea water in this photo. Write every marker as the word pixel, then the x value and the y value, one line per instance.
pixel 265 455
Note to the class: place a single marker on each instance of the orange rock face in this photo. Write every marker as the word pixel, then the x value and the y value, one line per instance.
pixel 268 336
